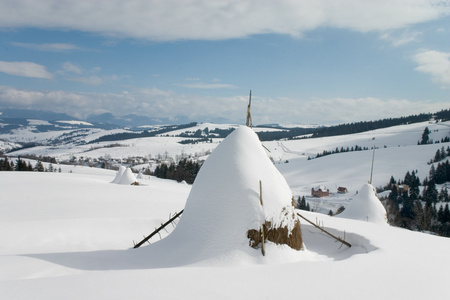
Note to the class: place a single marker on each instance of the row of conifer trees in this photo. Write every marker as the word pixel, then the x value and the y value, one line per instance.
pixel 21 165
pixel 185 170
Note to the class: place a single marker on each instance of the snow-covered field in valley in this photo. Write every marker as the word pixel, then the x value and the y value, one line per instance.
pixel 70 235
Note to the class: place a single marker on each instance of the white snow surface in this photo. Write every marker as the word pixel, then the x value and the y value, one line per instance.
pixel 365 206
pixel 69 235
pixel 224 203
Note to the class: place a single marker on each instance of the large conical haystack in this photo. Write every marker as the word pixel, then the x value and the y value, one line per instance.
pixel 223 211
pixel 365 206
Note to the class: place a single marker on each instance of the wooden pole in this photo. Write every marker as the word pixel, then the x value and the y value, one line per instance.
pixel 263 226
pixel 323 230
pixel 371 169
pixel 158 230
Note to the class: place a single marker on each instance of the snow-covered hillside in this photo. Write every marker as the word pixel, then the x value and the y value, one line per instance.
pixel 396 153
pixel 69 235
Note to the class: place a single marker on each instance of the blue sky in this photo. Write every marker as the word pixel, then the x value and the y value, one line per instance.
pixel 306 61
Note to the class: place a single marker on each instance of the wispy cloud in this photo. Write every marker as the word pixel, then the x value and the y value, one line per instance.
pixel 74 72
pixel 51 47
pixel 217 20
pixel 197 83
pixel 436 64
pixel 69 67
pixel 90 80
pixel 209 86
pixel 24 69
pixel 402 38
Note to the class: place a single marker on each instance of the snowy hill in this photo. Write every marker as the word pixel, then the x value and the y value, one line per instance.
pixel 69 235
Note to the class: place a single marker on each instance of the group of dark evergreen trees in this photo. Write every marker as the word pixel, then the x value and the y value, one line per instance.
pixel 302 204
pixel 21 165
pixel 342 150
pixel 186 170
pixel 425 139
pixel 426 210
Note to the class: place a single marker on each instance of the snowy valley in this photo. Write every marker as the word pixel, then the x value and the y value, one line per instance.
pixel 70 233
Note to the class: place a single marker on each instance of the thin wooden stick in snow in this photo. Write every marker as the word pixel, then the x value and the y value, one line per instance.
pixel 330 234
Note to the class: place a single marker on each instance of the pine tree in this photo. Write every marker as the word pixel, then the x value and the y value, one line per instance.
pixel 425 136
pixel 437 156
pixel 39 167
pixel 430 193
pixel 20 165
pixel 443 195
pixel 446 214
pixel 432 173
pixel 5 165
pixel 419 215
pixel 407 207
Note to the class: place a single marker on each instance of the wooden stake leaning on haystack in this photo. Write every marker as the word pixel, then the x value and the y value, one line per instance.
pixel 263 226
pixel 323 230
pixel 157 230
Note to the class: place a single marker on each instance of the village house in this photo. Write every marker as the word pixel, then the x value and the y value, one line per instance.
pixel 342 190
pixel 320 191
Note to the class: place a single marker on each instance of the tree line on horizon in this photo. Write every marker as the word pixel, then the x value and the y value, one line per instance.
pixel 350 128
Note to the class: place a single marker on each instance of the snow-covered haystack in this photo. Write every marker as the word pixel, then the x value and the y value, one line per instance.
pixel 119 174
pixel 366 206
pixel 223 212
pixel 124 176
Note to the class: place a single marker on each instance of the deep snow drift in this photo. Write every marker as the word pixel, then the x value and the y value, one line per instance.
pixel 365 206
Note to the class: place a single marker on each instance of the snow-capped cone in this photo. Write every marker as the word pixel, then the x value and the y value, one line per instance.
pixel 224 202
pixel 365 206
pixel 124 176
pixel 119 174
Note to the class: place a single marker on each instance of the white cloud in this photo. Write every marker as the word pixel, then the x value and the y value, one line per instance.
pixel 25 69
pixel 219 19
pixel 69 67
pixel 436 64
pixel 402 38
pixel 209 86
pixel 90 80
pixel 168 104
pixel 74 72
pixel 51 47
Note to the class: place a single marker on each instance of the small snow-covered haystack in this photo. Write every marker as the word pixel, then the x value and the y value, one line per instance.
pixel 223 212
pixel 124 176
pixel 119 174
pixel 366 206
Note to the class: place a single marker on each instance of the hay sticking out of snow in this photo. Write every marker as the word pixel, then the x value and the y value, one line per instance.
pixel 286 230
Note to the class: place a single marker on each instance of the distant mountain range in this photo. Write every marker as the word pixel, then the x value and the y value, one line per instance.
pixel 105 121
